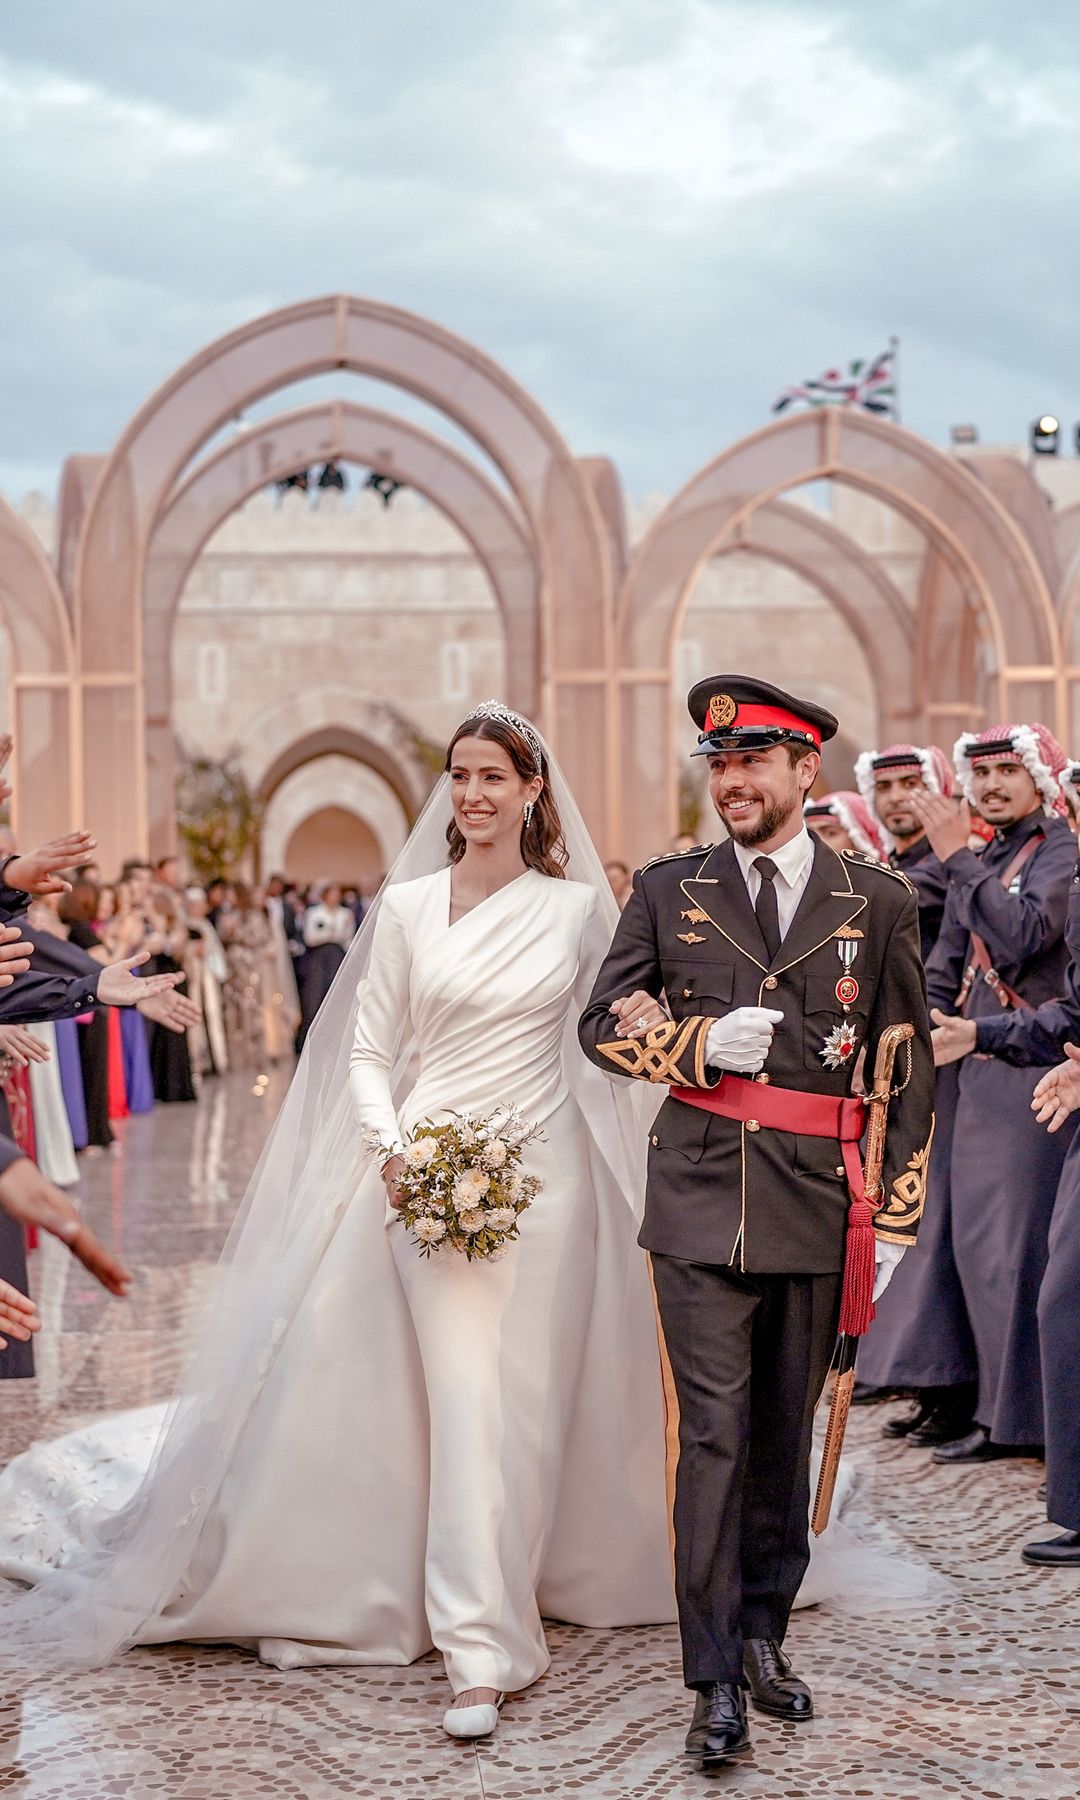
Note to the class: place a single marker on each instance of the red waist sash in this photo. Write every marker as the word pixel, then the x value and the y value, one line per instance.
pixel 759 1104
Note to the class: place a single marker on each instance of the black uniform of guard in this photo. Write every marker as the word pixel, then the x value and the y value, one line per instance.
pixel 745 1223
pixel 1005 1168
pixel 917 862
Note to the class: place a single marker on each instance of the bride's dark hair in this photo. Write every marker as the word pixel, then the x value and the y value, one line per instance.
pixel 542 844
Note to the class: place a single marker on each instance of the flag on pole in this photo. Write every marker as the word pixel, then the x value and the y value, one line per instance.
pixel 871 385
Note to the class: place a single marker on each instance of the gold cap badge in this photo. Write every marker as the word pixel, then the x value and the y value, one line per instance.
pixel 722 710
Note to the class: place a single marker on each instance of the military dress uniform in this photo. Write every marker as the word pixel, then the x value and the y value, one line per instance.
pixel 746 1211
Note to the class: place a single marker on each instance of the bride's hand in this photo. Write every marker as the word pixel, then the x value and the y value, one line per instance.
pixel 391 1170
pixel 637 1014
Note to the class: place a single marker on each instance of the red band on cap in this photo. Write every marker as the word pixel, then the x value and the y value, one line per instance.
pixel 770 717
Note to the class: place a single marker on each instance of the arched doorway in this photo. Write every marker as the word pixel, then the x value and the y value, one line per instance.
pixel 345 432
pixel 313 338
pixel 46 768
pixel 986 630
pixel 361 823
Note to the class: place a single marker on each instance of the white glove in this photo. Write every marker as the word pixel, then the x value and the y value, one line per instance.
pixel 742 1041
pixel 887 1261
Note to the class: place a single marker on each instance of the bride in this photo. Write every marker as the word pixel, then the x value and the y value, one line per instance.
pixel 373 1451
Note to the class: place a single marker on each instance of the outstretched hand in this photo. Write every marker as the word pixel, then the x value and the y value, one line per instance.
pixel 1058 1093
pixel 14 954
pixel 37 871
pixel 18 1315
pixel 117 986
pixel 175 1011
pixel 26 1195
pixel 22 1046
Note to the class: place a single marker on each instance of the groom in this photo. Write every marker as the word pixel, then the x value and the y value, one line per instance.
pixel 749 977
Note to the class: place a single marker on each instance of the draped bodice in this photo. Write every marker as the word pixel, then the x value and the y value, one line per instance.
pixel 480 1005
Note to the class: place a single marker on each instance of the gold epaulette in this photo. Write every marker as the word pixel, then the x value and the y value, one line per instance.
pixel 871 862
pixel 675 855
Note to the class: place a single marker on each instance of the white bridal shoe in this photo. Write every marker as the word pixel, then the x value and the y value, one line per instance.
pixel 472 1721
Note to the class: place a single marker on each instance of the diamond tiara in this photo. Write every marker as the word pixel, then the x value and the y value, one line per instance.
pixel 495 709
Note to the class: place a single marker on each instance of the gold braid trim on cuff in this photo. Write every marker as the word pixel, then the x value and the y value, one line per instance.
pixel 656 1057
pixel 898 1218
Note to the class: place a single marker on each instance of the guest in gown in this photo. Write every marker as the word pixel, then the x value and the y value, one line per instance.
pixel 281 996
pixel 77 910
pixel 122 929
pixel 170 1062
pixel 245 933
pixel 328 931
pixel 208 971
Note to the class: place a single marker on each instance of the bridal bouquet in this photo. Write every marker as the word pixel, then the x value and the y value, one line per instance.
pixel 462 1187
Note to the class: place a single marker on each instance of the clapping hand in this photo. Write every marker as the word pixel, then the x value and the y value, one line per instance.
pixel 37 871
pixel 638 1014
pixel 14 954
pixel 1058 1093
pixel 117 986
pixel 27 1196
pixel 18 1315
pixel 952 1038
pixel 946 824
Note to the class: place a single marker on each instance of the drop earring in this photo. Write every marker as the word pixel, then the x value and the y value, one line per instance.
pixel 527 813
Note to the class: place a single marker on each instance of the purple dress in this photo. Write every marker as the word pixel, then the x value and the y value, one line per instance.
pixel 71 1081
pixel 136 1053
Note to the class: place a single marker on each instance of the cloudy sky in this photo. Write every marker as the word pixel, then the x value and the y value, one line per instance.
pixel 655 213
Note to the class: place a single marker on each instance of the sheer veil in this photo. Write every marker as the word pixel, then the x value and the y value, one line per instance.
pixel 95 1606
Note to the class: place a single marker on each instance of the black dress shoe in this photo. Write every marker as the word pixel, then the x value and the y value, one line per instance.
pixel 718 1730
pixel 975 1448
pixel 1054 1553
pixel 919 1415
pixel 942 1427
pixel 773 1688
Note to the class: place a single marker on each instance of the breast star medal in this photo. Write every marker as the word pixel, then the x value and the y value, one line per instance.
pixel 839 1047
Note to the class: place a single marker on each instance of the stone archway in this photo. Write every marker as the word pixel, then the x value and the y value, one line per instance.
pixel 312 338
pixel 275 447
pixel 332 780
pixel 46 779
pixel 986 579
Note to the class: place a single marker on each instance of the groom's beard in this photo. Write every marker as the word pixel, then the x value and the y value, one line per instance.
pixel 772 820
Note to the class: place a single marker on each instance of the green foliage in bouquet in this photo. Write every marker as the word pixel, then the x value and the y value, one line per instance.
pixel 462 1187
pixel 218 813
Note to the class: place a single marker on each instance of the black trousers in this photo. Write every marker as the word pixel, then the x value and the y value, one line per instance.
pixel 749 1355
pixel 1059 1333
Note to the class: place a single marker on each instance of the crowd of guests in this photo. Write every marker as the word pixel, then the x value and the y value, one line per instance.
pixel 980 1328
pixel 124 995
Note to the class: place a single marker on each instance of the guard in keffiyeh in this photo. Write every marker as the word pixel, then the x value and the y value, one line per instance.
pixel 845 821
pixel 780 961
pixel 1001 950
pixel 894 1354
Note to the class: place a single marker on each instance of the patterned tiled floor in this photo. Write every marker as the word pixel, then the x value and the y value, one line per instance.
pixel 975 1694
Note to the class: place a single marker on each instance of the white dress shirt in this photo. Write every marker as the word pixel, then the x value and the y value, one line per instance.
pixel 793 860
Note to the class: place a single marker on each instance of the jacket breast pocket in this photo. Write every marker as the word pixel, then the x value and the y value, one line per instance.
pixel 706 988
pixel 833 1038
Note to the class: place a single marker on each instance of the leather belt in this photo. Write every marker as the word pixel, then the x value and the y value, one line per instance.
pixel 757 1104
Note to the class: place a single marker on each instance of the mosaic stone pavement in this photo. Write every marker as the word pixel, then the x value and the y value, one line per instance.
pixel 975 1693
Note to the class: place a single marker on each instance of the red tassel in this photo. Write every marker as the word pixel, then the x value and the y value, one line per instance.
pixel 860 1258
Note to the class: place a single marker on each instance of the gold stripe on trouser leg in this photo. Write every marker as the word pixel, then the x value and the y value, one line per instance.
pixel 671 1416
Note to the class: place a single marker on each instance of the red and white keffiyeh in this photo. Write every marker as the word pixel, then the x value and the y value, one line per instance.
pixel 851 812
pixel 931 763
pixel 1033 746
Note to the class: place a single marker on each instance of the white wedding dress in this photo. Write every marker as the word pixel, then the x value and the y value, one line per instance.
pixel 440 1451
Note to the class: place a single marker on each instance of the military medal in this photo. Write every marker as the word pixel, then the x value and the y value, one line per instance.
pixel 848 940
pixel 839 1047
pixel 695 916
pixel 690 937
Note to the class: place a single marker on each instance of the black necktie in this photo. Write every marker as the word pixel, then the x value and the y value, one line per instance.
pixel 768 913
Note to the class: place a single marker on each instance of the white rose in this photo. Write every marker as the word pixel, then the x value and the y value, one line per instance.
pixel 430 1231
pixel 473 1220
pixel 500 1218
pixel 418 1155
pixel 467 1135
pixel 495 1154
